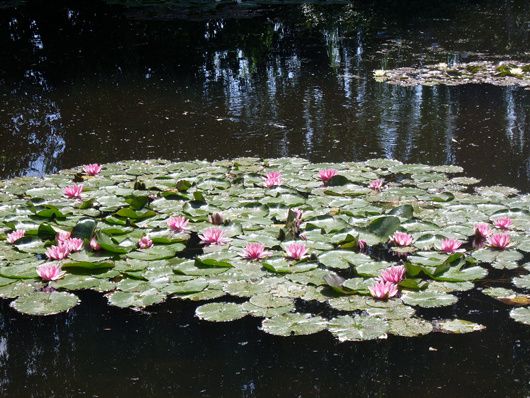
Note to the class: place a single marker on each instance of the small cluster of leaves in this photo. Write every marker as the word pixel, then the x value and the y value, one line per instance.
pixel 129 200
pixel 508 73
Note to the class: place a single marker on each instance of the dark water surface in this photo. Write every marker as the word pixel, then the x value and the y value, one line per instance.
pixel 92 81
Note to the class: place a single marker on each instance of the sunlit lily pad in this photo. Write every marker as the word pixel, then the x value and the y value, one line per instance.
pixel 221 312
pixel 358 328
pixel 293 324
pixel 457 326
pixel 43 303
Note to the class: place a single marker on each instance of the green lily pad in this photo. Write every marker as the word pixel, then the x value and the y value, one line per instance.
pixel 43 303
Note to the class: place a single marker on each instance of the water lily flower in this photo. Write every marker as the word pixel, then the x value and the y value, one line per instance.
pixel 503 222
pixel 482 230
pixel 73 244
pixel 296 251
pixel 145 242
pixel 382 290
pixel 450 245
pixel 178 223
pixel 326 175
pixel 499 241
pixel 216 219
pixel 273 179
pixel 73 191
pixel 394 274
pixel 376 185
pixel 213 236
pixel 57 252
pixel 379 72
pixel 15 235
pixel 401 239
pixel 94 245
pixel 298 214
pixel 255 251
pixel 92 169
pixel 62 236
pixel 50 272
pixel 362 245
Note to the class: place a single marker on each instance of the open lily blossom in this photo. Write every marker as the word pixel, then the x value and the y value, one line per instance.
pixel 499 241
pixel 273 179
pixel 401 239
pixel 94 245
pixel 73 191
pixel 15 235
pixel 178 223
pixel 382 290
pixel 394 274
pixel 92 169
pixel 57 252
pixel 376 185
pixel 503 222
pixel 73 244
pixel 296 251
pixel 145 242
pixel 213 236
pixel 62 236
pixel 326 175
pixel 255 251
pixel 482 230
pixel 50 272
pixel 450 245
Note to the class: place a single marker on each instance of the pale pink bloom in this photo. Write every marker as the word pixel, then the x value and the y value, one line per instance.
pixel 145 242
pixel 50 272
pixel 178 223
pixel 273 179
pixel 73 191
pixel 450 245
pixel 94 245
pixel 326 175
pixel 216 219
pixel 92 169
pixel 383 290
pixel 393 274
pixel 15 235
pixel 499 241
pixel 213 236
pixel 296 251
pixel 298 214
pixel 503 222
pixel 362 245
pixel 255 251
pixel 376 185
pixel 401 239
pixel 73 244
pixel 57 252
pixel 62 236
pixel 482 230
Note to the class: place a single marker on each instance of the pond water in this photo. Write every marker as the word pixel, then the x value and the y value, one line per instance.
pixel 95 81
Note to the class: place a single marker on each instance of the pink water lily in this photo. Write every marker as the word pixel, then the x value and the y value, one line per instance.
pixel 57 252
pixel 503 222
pixel 15 235
pixel 178 223
pixel 273 179
pixel 145 242
pixel 92 169
pixel 62 236
pixel 213 236
pixel 499 241
pixel 296 251
pixel 255 251
pixel 73 244
pixel 326 175
pixel 50 272
pixel 94 245
pixel 298 214
pixel 394 274
pixel 73 191
pixel 401 239
pixel 382 290
pixel 362 245
pixel 450 245
pixel 376 185
pixel 482 230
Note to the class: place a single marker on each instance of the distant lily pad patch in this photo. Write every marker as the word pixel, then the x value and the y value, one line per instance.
pixel 507 73
pixel 360 250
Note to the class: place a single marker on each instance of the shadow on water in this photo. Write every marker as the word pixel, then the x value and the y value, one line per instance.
pixel 93 81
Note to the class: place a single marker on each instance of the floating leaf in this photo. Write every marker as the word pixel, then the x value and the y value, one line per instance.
pixel 293 324
pixel 358 328
pixel 220 312
pixel 456 326
pixel 43 303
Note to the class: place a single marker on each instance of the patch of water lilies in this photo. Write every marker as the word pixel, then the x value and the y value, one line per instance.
pixel 358 249
pixel 506 73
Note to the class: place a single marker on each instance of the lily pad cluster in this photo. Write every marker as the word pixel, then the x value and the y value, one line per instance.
pixel 148 231
pixel 506 73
